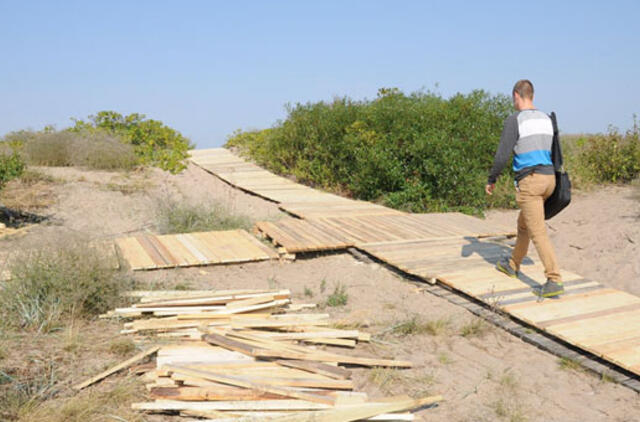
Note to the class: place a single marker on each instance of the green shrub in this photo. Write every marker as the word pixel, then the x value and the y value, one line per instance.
pixel 154 143
pixel 612 157
pixel 418 152
pixel 183 217
pixel 58 281
pixel 11 167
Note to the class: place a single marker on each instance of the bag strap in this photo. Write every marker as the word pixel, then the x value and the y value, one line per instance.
pixel 556 151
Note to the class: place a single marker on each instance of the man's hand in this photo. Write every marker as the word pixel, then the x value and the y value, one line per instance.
pixel 489 188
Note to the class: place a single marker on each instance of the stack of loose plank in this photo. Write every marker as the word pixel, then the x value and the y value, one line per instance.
pixel 244 355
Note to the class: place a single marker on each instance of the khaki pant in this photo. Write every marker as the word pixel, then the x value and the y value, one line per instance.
pixel 532 191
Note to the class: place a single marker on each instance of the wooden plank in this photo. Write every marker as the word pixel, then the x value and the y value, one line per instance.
pixel 331 371
pixel 246 383
pixel 117 368
pixel 164 405
pixel 133 252
pixel 360 411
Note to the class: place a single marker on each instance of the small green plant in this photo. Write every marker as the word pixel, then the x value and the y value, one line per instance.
pixel 53 282
pixel 605 377
pixel 475 328
pixel 568 364
pixel 183 217
pixel 415 326
pixel 339 297
pixel 122 346
pixel 444 358
pixel 308 292
pixel 323 285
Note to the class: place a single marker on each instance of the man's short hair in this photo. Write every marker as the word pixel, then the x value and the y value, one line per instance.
pixel 524 88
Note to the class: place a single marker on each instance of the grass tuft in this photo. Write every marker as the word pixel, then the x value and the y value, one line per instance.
pixel 339 297
pixel 122 346
pixel 56 282
pixel 568 364
pixel 415 326
pixel 183 217
pixel 308 292
pixel 475 328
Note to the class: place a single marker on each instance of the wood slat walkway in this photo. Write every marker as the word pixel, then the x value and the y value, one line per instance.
pixel 297 199
pixel 591 316
pixel 447 248
pixel 147 252
pixel 333 233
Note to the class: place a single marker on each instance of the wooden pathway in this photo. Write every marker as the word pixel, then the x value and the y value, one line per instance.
pixel 297 199
pixel 444 248
pixel 591 316
pixel 147 252
pixel 332 233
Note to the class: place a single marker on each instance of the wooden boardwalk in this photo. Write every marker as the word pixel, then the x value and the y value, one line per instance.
pixel 591 316
pixel 148 252
pixel 332 233
pixel 444 248
pixel 297 199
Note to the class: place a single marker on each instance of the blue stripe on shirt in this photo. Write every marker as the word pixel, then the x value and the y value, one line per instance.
pixel 531 159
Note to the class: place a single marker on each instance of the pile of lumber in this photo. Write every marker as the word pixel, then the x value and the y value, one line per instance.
pixel 248 355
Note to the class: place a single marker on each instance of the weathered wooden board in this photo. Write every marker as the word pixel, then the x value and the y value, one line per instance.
pixel 145 252
pixel 591 316
pixel 393 230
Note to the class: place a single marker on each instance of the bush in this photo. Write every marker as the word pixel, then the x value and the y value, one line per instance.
pixel 11 167
pixel 96 150
pixel 182 217
pixel 54 282
pixel 154 143
pixel 49 149
pixel 418 152
pixel 612 157
pixel 103 152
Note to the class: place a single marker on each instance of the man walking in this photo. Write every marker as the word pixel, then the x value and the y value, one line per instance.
pixel 528 133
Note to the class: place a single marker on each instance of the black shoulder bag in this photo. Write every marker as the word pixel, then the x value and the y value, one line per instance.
pixel 561 196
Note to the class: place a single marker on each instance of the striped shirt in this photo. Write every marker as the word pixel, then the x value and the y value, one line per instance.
pixel 528 134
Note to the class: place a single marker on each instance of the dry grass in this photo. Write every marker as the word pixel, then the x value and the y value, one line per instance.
pixel 39 368
pixel 508 404
pixel 401 381
pixel 416 326
pixel 89 406
pixel 122 346
pixel 475 328
pixel 93 150
pixel 31 192
pixel 56 281
pixel 183 217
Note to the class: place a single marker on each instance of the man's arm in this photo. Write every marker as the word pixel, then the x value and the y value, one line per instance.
pixel 508 140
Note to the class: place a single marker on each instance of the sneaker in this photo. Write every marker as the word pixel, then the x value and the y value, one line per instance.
pixel 504 266
pixel 551 289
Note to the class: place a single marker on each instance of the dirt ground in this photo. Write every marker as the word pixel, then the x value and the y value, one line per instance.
pixel 483 372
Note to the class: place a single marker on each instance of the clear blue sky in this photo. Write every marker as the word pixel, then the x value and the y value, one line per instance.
pixel 207 68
